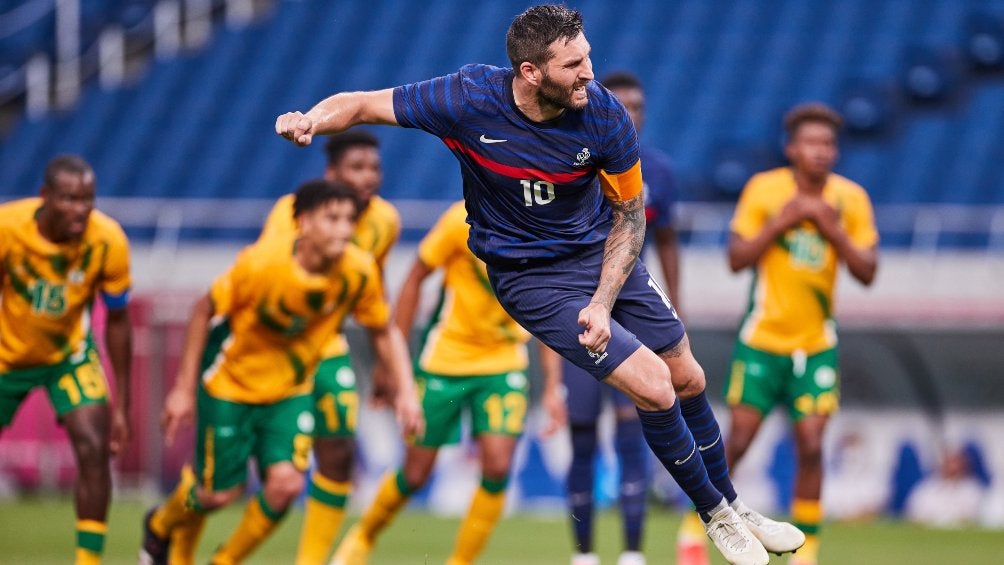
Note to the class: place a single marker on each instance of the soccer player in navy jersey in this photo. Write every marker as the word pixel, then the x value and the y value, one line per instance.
pixel 585 395
pixel 552 181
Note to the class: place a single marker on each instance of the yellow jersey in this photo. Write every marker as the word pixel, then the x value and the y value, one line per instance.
pixel 280 317
pixel 377 229
pixel 47 288
pixel 791 295
pixel 470 333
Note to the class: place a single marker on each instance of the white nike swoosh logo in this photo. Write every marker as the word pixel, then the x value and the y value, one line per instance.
pixel 490 140
pixel 714 443
pixel 692 451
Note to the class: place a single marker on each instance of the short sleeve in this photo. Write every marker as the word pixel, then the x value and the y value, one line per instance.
pixel 619 140
pixel 226 291
pixel 860 220
pixel 433 105
pixel 371 310
pixel 750 215
pixel 441 242
pixel 280 222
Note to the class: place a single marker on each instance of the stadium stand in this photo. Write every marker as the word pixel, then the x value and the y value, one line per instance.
pixel 198 125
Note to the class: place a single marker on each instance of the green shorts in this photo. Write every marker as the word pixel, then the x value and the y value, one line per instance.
pixel 807 385
pixel 77 381
pixel 496 404
pixel 336 401
pixel 229 433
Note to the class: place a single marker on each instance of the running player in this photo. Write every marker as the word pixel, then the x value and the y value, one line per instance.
pixel 585 394
pixel 552 183
pixel 353 158
pixel 473 358
pixel 794 225
pixel 58 253
pixel 271 313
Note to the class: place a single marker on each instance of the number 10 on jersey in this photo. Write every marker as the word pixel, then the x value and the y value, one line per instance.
pixel 539 192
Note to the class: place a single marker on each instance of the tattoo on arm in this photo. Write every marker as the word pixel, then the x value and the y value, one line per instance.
pixel 627 234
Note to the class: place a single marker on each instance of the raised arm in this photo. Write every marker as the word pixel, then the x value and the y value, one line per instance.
pixel 338 113
pixel 118 340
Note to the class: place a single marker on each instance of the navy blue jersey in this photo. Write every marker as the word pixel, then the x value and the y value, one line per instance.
pixel 531 187
pixel 659 189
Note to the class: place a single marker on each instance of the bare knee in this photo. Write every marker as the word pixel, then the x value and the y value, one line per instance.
pixel 334 457
pixel 418 465
pixel 283 483
pixel 645 379
pixel 92 453
pixel 218 499
pixel 686 373
pixel 496 468
pixel 810 453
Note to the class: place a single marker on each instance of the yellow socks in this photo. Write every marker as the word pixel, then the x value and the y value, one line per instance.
pixel 258 522
pixel 390 498
pixel 181 507
pixel 479 523
pixel 90 541
pixel 691 529
pixel 322 519
pixel 807 515
pixel 185 540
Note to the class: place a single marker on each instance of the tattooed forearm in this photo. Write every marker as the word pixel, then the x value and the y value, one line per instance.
pixel 627 234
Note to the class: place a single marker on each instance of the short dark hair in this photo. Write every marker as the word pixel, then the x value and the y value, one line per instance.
pixel 811 112
pixel 317 192
pixel 621 79
pixel 340 143
pixel 531 33
pixel 65 163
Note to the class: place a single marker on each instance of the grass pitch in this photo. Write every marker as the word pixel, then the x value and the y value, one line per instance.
pixel 40 531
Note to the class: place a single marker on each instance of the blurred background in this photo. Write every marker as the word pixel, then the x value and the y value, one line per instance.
pixel 173 103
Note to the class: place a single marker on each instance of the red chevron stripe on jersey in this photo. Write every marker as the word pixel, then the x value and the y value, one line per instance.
pixel 516 172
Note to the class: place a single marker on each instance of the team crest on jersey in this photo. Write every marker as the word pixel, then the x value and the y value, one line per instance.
pixel 76 276
pixel 582 157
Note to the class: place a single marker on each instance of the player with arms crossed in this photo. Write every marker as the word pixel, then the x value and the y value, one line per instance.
pixel 57 254
pixel 585 394
pixel 552 184
pixel 794 225
pixel 473 358
pixel 252 347
pixel 353 158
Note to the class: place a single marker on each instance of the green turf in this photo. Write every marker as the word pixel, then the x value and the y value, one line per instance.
pixel 40 531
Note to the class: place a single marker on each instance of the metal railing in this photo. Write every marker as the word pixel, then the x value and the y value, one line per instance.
pixel 924 228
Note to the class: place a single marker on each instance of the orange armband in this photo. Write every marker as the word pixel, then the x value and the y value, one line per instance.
pixel 622 186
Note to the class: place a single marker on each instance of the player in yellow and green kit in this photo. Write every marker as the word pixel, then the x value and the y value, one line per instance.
pixel 473 358
pixel 794 225
pixel 353 159
pixel 272 315
pixel 57 254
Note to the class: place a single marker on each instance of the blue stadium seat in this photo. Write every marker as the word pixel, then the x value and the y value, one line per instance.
pixel 719 76
pixel 983 41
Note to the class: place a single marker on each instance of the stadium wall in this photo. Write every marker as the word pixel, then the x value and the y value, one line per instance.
pixel 920 355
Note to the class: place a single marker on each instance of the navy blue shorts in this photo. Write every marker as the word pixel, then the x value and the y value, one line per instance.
pixel 546 300
pixel 585 395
